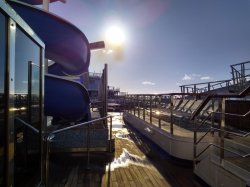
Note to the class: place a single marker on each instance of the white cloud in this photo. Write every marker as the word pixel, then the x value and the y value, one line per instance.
pixel 205 78
pixel 148 83
pixel 196 75
pixel 187 77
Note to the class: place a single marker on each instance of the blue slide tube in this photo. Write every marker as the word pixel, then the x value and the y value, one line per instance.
pixel 65 99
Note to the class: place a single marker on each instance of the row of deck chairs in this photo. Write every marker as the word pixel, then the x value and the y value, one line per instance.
pixel 183 109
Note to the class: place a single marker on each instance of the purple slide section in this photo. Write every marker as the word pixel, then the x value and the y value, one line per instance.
pixel 65 99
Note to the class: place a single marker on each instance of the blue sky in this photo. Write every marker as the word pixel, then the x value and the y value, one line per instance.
pixel 168 42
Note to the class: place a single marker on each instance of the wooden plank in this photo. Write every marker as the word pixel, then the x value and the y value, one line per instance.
pixel 140 176
pixel 113 176
pixel 129 176
pixel 104 181
pixel 114 184
pixel 72 179
pixel 150 176
pixel 118 175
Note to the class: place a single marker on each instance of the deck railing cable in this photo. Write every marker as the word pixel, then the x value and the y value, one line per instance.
pixel 27 125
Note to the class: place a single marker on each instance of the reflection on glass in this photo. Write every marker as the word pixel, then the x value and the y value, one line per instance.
pixel 27 142
pixel 2 68
pixel 35 97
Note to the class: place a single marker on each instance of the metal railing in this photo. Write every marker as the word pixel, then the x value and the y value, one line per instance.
pixel 240 76
pixel 221 128
pixel 206 86
pixel 50 136
pixel 27 125
pixel 140 104
pixel 165 108
pixel 219 147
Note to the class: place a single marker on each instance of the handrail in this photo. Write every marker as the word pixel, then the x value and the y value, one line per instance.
pixel 202 105
pixel 27 125
pixel 203 121
pixel 236 115
pixel 234 133
pixel 240 63
pixel 79 125
pixel 196 143
pixel 208 98
pixel 218 82
pixel 219 147
pixel 230 114
pixel 230 132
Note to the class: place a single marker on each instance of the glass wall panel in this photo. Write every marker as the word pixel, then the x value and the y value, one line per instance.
pixel 27 142
pixel 2 111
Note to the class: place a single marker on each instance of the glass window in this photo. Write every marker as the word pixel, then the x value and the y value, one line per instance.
pixel 27 108
pixel 2 69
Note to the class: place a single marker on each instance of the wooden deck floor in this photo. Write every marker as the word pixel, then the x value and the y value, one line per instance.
pixel 134 163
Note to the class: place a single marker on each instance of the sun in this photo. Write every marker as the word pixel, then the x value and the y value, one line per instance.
pixel 115 35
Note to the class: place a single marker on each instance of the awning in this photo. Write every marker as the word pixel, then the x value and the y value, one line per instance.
pixel 65 44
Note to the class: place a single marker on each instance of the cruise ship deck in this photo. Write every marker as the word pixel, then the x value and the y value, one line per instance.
pixel 135 162
pixel 57 128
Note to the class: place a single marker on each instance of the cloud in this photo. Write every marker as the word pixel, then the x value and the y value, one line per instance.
pixel 205 78
pixel 148 83
pixel 187 77
pixel 196 75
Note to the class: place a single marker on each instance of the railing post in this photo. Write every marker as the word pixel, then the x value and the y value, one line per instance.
pixel 150 101
pixel 195 145
pixel 144 103
pixel 110 135
pixel 88 147
pixel 155 101
pixel 159 121
pixel 171 114
pixel 138 105
pixel 222 126
pixel 134 103
pixel 212 118
pixel 130 104
pixel 46 175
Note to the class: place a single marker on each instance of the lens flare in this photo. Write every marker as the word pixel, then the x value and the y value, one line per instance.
pixel 115 35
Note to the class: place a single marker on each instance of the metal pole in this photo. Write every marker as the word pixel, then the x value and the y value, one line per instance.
pixel 212 118
pixel 110 135
pixel 222 126
pixel 195 140
pixel 144 103
pixel 138 105
pixel 150 117
pixel 105 90
pixel 46 5
pixel 134 104
pixel 88 147
pixel 171 115
pixel 159 121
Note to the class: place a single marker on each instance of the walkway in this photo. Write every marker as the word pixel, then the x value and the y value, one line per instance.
pixel 134 163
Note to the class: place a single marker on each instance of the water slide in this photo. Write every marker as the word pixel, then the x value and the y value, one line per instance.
pixel 66 99
pixel 69 48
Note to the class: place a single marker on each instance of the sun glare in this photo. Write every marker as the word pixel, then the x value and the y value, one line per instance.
pixel 115 35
